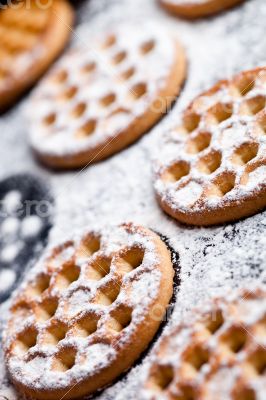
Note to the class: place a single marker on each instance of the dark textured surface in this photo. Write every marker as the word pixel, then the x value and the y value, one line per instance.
pixel 34 197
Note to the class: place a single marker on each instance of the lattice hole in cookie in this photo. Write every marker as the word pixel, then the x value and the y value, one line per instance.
pixel 220 112
pixel 235 339
pixel 46 309
pixel 55 333
pixel 210 162
pixel 130 260
pixel 244 394
pixel 14 44
pixel 89 245
pixel 245 153
pixel 258 361
pixel 89 68
pixel 254 173
pixel 87 129
pixel 108 99
pixel 254 105
pixel 49 119
pixel 69 93
pixel 108 295
pixel 119 57
pixel 120 319
pixel 176 171
pixel 79 110
pixel 87 325
pixel 42 283
pixel 186 392
pixel 199 143
pixel 99 268
pixel 222 185
pixel 147 47
pixel 25 341
pixel 60 77
pixel 61 255
pixel 245 84
pixel 215 321
pixel 161 377
pixel 138 90
pixel 110 41
pixel 195 359
pixel 128 73
pixel 68 275
pixel 191 121
pixel 64 360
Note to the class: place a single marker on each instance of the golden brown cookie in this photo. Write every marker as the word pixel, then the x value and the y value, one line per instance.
pixel 101 98
pixel 197 8
pixel 217 354
pixel 32 34
pixel 212 168
pixel 87 312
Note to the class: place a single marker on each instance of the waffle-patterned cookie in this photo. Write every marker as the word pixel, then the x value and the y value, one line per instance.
pixel 213 166
pixel 197 8
pixel 89 310
pixel 219 354
pixel 32 34
pixel 101 98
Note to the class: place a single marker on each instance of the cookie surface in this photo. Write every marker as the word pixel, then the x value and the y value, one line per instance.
pixel 87 312
pixel 101 98
pixel 197 8
pixel 31 37
pixel 218 354
pixel 213 164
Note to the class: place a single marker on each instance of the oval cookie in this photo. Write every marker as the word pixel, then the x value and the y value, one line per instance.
pixel 32 34
pixel 213 165
pixel 218 353
pixel 87 312
pixel 197 8
pixel 101 98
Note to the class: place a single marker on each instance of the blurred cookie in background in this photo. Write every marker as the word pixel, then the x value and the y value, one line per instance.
pixel 25 220
pixel 32 34
pixel 197 8
pixel 102 97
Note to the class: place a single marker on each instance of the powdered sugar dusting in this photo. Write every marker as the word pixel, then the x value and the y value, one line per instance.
pixel 187 2
pixel 213 259
pixel 257 176
pixel 189 194
pixel 109 83
pixel 220 136
pixel 133 283
pixel 211 331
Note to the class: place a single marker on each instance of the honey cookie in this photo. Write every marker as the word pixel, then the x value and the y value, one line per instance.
pixel 31 37
pixel 197 8
pixel 218 354
pixel 100 99
pixel 213 167
pixel 88 311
